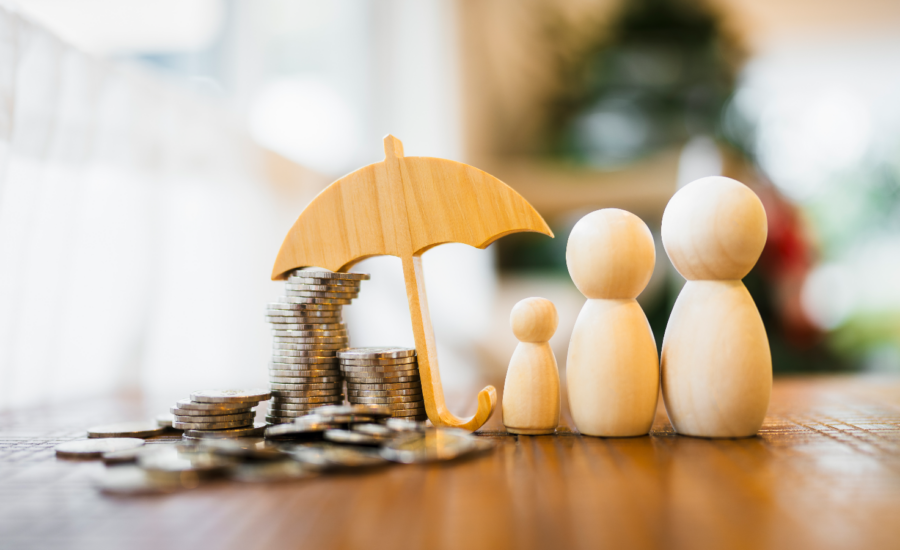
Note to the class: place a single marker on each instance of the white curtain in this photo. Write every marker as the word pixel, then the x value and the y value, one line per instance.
pixel 137 230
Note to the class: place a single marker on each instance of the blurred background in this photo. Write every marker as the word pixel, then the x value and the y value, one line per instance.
pixel 153 155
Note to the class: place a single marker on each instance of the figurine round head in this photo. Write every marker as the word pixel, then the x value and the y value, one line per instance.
pixel 534 320
pixel 714 228
pixel 610 255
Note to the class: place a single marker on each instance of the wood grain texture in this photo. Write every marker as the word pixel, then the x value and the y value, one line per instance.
pixel 823 473
pixel 402 207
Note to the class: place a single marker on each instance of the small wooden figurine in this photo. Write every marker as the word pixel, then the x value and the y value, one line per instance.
pixel 404 206
pixel 716 363
pixel 612 370
pixel 531 392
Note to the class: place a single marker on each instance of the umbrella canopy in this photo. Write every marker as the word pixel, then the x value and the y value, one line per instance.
pixel 401 207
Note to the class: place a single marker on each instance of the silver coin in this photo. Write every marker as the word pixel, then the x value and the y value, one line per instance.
pixel 283 325
pixel 384 387
pixel 95 448
pixel 321 393
pixel 308 382
pixel 230 396
pixel 289 394
pixel 378 362
pixel 294 360
pixel 379 430
pixel 323 282
pixel 225 407
pixel 285 409
pixel 312 386
pixel 313 399
pixel 365 379
pixel 387 400
pixel 310 310
pixel 410 412
pixel 213 425
pixel 329 455
pixel 216 419
pixel 287 337
pixel 126 429
pixel 165 420
pixel 280 330
pixel 305 431
pixel 313 301
pixel 275 320
pixel 316 294
pixel 377 353
pixel 315 355
pixel 276 421
pixel 243 448
pixel 321 274
pixel 299 374
pixel 379 393
pixel 435 444
pixel 290 386
pixel 256 430
pixel 292 414
pixel 356 377
pixel 292 404
pixel 343 410
pixel 348 437
pixel 401 424
pixel 217 414
pixel 323 348
pixel 409 367
pixel 272 472
pixel 310 287
pixel 175 459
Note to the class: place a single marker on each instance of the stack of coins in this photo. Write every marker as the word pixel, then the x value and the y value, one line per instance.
pixel 306 322
pixel 384 376
pixel 219 413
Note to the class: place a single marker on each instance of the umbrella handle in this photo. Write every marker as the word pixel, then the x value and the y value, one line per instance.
pixel 426 351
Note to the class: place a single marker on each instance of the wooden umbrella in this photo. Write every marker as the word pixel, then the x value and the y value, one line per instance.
pixel 402 207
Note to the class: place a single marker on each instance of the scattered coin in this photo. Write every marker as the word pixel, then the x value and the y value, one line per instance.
pixel 217 413
pixel 319 274
pixel 350 437
pixel 213 425
pixel 302 431
pixel 256 430
pixel 188 404
pixel 328 455
pixel 243 448
pixel 179 459
pixel 84 449
pixel 126 429
pixel 230 396
pixel 403 425
pixel 132 480
pixel 245 417
pixel 432 445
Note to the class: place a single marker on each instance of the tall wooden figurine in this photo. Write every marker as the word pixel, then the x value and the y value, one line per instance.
pixel 612 370
pixel 531 392
pixel 716 363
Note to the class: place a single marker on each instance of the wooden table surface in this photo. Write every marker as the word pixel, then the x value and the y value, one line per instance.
pixel 823 473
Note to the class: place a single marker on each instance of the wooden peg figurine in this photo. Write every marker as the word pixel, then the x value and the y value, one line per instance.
pixel 531 392
pixel 716 363
pixel 612 370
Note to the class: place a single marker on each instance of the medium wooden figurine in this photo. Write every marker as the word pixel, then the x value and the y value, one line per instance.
pixel 612 370
pixel 716 363
pixel 404 206
pixel 531 392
